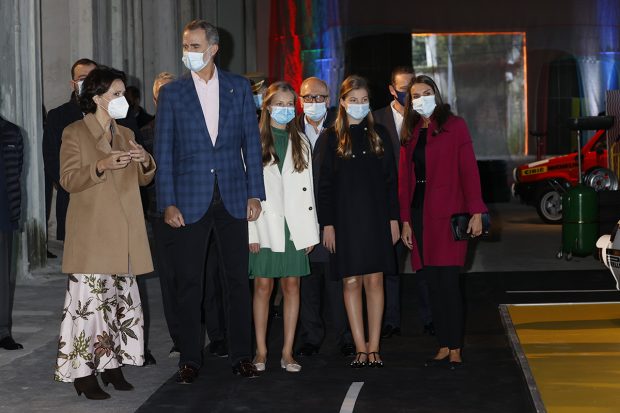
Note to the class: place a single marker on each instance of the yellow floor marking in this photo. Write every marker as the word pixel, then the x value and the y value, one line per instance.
pixel 574 354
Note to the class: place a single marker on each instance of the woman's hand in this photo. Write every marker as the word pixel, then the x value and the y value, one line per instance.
pixel 407 235
pixel 254 248
pixel 474 228
pixel 329 238
pixel 138 154
pixel 115 160
pixel 395 231
pixel 309 249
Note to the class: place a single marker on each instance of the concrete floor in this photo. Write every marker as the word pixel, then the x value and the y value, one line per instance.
pixel 519 242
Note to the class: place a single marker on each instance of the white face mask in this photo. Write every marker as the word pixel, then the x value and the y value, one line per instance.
pixel 118 107
pixel 315 111
pixel 195 61
pixel 358 111
pixel 424 105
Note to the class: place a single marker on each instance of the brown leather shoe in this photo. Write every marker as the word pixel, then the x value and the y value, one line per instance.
pixel 245 368
pixel 187 374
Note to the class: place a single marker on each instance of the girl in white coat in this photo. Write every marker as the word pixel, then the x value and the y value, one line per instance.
pixel 287 229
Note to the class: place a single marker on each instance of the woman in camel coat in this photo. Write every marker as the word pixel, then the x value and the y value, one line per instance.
pixel 106 244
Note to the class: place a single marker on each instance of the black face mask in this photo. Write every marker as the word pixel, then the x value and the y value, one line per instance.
pixel 400 97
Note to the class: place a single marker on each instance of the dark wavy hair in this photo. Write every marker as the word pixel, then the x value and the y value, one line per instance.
pixel 97 83
pixel 411 118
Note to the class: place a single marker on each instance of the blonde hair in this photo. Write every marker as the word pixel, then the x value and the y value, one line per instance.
pixel 161 79
pixel 300 161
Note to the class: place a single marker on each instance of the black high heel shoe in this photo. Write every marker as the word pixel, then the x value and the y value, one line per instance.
pixel 90 387
pixel 455 365
pixel 437 362
pixel 115 376
pixel 376 362
pixel 358 363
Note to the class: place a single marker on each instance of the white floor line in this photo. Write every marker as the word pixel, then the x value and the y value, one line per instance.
pixel 349 400
pixel 560 291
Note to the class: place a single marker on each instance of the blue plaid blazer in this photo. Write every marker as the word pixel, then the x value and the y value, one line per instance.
pixel 187 161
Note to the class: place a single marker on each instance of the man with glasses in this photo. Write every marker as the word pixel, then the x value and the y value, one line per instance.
pixel 316 117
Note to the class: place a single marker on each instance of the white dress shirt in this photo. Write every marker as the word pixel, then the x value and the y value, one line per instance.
pixel 398 118
pixel 310 132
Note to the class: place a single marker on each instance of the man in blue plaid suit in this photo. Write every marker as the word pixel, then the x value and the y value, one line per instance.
pixel 209 183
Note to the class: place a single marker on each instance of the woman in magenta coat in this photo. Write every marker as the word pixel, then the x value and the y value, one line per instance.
pixel 438 177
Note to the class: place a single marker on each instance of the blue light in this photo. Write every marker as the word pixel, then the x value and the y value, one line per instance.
pixel 608 13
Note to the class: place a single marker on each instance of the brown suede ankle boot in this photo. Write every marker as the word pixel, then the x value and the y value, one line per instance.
pixel 90 387
pixel 115 376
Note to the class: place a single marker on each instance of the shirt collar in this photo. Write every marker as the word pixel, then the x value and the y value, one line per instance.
pixel 394 111
pixel 197 78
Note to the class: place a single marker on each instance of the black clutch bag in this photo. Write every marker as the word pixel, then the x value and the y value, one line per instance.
pixel 460 222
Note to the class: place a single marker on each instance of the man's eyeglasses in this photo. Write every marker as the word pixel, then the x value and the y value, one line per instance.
pixel 314 98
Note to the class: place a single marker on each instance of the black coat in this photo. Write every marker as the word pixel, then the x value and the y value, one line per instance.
pixel 319 253
pixel 11 163
pixel 385 118
pixel 57 120
pixel 358 196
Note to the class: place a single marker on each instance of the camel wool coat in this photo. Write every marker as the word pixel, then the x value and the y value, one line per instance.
pixel 106 233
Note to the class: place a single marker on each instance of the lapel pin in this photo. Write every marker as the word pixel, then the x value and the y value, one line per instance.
pixel 232 90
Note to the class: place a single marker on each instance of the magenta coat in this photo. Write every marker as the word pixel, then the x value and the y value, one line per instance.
pixel 452 186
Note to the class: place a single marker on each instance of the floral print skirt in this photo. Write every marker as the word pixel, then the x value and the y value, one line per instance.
pixel 102 326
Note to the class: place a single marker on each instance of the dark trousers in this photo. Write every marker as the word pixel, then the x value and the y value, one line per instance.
pixel 311 323
pixel 422 288
pixel 447 304
pixel 425 313
pixel 146 308
pixel 49 193
pixel 189 252
pixel 62 203
pixel 391 315
pixel 214 317
pixel 7 283
pixel 163 238
pixel 391 287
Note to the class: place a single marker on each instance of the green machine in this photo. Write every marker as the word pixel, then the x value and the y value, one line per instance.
pixel 580 203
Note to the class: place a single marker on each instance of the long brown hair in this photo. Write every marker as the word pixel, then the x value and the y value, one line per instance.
pixel 411 117
pixel 300 161
pixel 345 147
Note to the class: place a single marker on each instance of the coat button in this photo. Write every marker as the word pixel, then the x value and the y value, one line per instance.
pixel 304 189
pixel 353 156
pixel 310 209
pixel 212 170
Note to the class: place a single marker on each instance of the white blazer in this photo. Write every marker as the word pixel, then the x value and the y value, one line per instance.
pixel 289 195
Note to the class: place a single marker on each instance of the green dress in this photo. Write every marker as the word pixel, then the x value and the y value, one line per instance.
pixel 291 262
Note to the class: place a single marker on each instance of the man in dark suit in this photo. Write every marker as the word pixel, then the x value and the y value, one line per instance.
pixel 209 183
pixel 57 120
pixel 391 118
pixel 133 96
pixel 316 117
pixel 11 161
